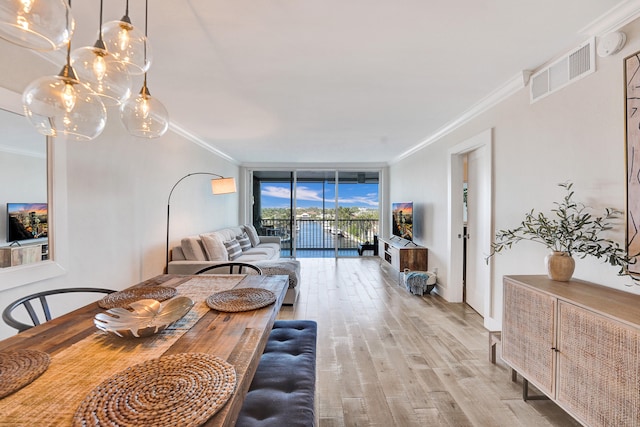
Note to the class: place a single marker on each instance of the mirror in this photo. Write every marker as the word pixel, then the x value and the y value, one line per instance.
pixel 23 195
pixel 26 173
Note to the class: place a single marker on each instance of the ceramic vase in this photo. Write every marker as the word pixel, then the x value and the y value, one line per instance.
pixel 560 266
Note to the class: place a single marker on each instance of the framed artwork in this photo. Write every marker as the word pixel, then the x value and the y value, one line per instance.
pixel 632 147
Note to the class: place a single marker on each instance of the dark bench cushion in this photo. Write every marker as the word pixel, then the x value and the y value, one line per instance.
pixel 282 392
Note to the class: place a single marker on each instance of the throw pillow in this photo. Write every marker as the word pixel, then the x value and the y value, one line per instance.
pixel 233 249
pixel 244 242
pixel 193 249
pixel 253 234
pixel 214 247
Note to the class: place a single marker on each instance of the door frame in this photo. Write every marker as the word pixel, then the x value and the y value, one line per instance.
pixel 456 223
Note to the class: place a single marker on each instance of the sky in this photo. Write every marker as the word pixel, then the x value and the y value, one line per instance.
pixel 310 194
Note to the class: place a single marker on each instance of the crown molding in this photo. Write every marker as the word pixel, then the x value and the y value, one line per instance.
pixel 21 152
pixel 288 166
pixel 612 20
pixel 11 101
pixel 515 84
pixel 179 130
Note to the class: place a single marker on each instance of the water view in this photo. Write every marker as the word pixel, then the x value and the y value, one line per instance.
pixel 319 227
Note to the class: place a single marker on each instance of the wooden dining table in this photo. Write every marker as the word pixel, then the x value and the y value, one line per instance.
pixel 75 344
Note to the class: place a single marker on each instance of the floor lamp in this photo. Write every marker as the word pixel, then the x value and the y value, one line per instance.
pixel 219 185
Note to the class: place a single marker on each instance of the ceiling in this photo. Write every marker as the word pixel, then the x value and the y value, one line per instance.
pixel 335 81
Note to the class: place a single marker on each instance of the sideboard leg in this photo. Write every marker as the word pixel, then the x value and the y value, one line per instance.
pixel 494 339
pixel 525 392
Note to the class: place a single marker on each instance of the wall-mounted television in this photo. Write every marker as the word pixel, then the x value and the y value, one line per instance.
pixel 402 220
pixel 26 221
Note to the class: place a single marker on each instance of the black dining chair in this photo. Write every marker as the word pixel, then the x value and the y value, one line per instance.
pixel 231 268
pixel 8 313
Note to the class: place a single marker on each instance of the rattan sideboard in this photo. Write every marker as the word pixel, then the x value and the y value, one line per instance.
pixel 578 343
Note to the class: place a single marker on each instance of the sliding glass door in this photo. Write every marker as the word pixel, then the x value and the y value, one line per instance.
pixel 314 212
pixel 273 206
pixel 317 213
pixel 357 210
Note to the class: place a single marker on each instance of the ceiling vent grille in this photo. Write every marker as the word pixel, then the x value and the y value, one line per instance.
pixel 573 66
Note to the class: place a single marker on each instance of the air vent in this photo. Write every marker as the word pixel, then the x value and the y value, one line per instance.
pixel 573 66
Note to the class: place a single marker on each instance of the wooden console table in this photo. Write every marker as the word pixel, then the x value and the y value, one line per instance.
pixel 400 256
pixel 578 343
pixel 11 256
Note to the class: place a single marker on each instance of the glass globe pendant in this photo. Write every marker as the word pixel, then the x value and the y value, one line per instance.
pixel 62 105
pixel 128 44
pixel 102 72
pixel 36 24
pixel 144 116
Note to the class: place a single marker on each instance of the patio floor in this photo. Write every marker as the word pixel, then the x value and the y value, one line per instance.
pixel 323 253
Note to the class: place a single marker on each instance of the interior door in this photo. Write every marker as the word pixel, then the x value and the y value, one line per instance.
pixel 474 286
pixel 481 236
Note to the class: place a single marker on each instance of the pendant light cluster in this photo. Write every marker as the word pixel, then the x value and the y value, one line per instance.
pixel 145 116
pixel 102 71
pixel 73 102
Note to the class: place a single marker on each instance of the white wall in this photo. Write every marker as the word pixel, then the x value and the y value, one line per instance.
pixel 116 203
pixel 575 134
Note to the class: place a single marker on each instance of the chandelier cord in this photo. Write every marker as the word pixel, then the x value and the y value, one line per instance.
pixel 68 41
pixel 146 23
pixel 100 31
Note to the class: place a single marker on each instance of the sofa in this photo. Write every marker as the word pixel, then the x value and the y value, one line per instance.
pixel 237 244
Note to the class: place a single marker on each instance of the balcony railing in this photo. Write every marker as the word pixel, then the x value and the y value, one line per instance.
pixel 321 234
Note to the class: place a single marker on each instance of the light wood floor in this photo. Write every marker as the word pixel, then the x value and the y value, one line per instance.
pixel 389 358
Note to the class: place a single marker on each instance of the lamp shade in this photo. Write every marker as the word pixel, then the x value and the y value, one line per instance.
pixel 223 185
pixel 59 105
pixel 36 24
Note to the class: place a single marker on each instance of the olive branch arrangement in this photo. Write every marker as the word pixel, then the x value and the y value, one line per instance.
pixel 571 229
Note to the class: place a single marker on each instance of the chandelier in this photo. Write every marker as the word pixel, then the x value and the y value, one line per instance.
pixel 73 103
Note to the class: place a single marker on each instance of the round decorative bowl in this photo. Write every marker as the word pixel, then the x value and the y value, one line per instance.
pixel 146 317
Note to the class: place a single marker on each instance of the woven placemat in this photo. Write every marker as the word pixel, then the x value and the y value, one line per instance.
pixel 126 297
pixel 19 368
pixel 183 389
pixel 243 299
